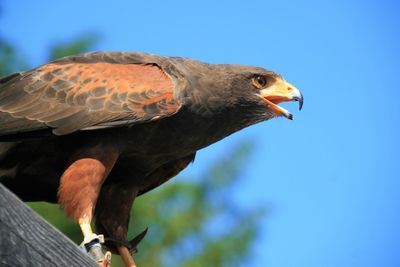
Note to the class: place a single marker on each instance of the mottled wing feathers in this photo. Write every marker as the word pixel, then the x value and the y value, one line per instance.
pixel 71 95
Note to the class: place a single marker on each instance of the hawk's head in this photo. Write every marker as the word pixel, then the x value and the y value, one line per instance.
pixel 252 91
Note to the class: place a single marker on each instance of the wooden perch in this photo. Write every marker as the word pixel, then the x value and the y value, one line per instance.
pixel 27 240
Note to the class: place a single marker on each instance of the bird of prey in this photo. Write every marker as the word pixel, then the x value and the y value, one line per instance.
pixel 94 131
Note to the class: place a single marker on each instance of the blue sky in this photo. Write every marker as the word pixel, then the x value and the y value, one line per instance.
pixel 330 177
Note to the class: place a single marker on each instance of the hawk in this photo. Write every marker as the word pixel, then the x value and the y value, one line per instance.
pixel 94 131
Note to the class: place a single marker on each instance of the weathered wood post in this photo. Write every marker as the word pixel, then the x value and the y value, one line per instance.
pixel 27 240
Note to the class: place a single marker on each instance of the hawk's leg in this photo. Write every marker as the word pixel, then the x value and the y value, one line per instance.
pixel 112 218
pixel 80 186
pixel 116 200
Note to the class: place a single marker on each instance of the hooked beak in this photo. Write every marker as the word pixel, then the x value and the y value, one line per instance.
pixel 281 91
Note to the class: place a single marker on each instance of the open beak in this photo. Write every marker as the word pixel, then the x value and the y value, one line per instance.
pixel 281 91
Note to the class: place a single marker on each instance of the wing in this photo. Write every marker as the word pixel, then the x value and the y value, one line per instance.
pixel 165 172
pixel 91 91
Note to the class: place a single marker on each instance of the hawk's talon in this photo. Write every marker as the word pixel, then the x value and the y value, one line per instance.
pixel 130 245
pixel 107 259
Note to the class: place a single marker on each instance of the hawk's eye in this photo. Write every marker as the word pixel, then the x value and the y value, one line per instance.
pixel 259 81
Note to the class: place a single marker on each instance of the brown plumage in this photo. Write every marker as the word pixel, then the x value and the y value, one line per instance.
pixel 96 130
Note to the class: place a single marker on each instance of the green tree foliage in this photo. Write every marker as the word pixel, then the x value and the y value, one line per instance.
pixel 197 222
pixel 9 61
pixel 82 44
pixel 191 223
